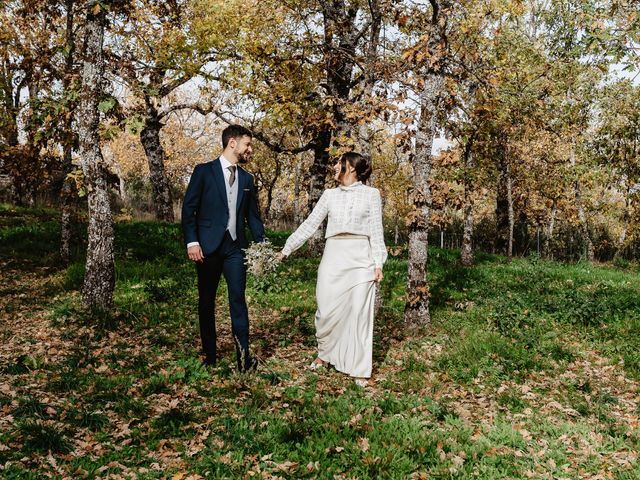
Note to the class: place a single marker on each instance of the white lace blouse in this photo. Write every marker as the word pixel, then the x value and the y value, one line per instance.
pixel 355 209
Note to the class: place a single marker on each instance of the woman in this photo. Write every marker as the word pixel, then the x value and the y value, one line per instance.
pixel 351 265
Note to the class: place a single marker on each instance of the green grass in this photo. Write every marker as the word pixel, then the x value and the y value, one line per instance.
pixel 529 369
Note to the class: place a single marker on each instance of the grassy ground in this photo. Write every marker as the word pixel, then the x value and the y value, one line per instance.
pixel 528 370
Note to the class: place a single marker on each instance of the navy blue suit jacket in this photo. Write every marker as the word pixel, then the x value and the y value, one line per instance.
pixel 205 211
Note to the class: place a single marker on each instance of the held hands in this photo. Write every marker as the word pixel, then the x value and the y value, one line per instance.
pixel 195 253
pixel 378 275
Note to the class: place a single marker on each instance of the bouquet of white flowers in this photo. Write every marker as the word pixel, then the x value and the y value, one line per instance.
pixel 261 258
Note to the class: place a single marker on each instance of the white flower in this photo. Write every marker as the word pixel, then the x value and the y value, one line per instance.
pixel 261 258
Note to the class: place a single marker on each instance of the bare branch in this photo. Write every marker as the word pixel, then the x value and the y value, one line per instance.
pixel 274 146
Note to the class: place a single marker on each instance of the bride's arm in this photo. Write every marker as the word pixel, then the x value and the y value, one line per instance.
pixel 310 225
pixel 378 249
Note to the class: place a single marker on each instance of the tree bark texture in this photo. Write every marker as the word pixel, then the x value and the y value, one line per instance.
pixel 297 214
pixel 501 244
pixel 68 192
pixel 466 251
pixel 266 180
pixel 340 40
pixel 582 216
pixel 339 51
pixel 550 229
pixel 99 280
pixel 150 139
pixel 365 135
pixel 318 179
pixel 510 212
pixel 626 219
pixel 417 306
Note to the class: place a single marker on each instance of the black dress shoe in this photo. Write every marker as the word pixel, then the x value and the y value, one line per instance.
pixel 208 362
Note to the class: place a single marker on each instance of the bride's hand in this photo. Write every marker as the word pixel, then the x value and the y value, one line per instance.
pixel 280 256
pixel 378 275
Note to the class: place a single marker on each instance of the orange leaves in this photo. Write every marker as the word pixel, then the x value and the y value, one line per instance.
pixel 419 295
pixel 415 219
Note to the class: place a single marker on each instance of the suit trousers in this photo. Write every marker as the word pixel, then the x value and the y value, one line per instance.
pixel 227 260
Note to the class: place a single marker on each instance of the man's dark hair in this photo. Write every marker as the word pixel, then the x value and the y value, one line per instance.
pixel 234 131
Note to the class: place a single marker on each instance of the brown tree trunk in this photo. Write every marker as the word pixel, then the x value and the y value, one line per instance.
pixel 269 184
pixel 466 251
pixel 365 135
pixel 582 216
pixel 626 219
pixel 150 139
pixel 339 59
pixel 67 194
pixel 318 178
pixel 510 212
pixel 99 280
pixel 550 227
pixel 297 214
pixel 12 91
pixel 501 243
pixel 339 55
pixel 417 306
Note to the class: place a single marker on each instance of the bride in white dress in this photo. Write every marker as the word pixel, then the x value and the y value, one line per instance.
pixel 351 264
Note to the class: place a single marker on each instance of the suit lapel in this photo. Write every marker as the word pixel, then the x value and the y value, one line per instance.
pixel 218 177
pixel 242 176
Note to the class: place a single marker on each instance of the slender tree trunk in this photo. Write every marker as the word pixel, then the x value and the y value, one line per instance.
pixel 67 195
pixel 501 243
pixel 582 216
pixel 11 105
pixel 33 149
pixel 271 185
pixel 297 214
pixel 365 135
pixel 150 139
pixel 466 252
pixel 626 219
pixel 510 210
pixel 417 306
pixel 550 227
pixel 99 280
pixel 522 243
pixel 318 178
pixel 68 191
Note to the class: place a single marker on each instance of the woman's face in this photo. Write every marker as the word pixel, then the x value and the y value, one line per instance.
pixel 337 171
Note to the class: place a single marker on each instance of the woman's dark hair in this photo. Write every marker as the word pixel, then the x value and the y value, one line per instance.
pixel 360 163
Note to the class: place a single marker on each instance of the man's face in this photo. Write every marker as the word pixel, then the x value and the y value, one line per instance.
pixel 242 148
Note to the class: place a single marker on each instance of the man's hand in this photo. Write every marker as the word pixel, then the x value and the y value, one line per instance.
pixel 195 253
pixel 378 275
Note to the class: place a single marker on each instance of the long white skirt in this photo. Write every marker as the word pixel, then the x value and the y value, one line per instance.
pixel 345 293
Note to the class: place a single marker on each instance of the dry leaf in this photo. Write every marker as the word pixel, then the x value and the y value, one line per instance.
pixel 363 443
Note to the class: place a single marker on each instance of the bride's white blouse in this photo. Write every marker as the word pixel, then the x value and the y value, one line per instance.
pixel 355 209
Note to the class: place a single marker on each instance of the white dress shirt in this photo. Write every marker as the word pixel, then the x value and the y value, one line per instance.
pixel 355 209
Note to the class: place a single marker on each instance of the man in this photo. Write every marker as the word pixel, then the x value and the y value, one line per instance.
pixel 220 197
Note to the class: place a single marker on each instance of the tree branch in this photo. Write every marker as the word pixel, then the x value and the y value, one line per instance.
pixel 257 134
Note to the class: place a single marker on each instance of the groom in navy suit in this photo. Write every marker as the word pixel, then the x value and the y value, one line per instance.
pixel 220 198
